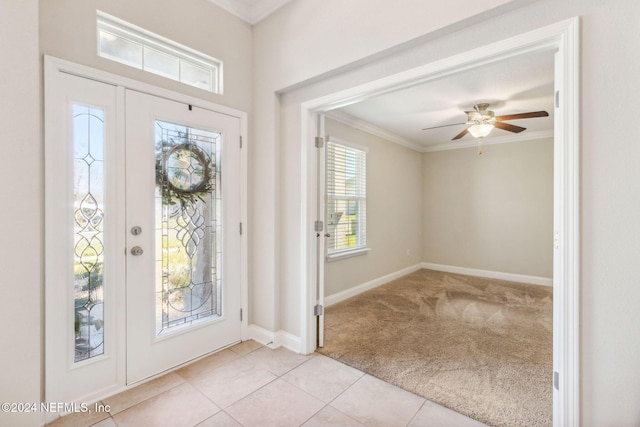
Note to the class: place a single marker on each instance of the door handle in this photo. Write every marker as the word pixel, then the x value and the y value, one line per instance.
pixel 327 234
pixel 136 251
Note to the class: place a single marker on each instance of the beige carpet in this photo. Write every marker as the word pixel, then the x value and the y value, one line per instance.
pixel 481 347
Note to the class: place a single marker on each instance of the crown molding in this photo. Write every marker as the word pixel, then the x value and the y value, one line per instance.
pixel 365 126
pixel 251 12
pixel 524 136
pixel 349 120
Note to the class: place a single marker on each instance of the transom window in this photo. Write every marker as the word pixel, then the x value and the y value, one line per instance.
pixel 346 204
pixel 128 44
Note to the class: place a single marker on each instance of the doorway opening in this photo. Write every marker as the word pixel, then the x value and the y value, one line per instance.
pixel 562 38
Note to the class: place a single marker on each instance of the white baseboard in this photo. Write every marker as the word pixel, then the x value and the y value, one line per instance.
pixel 275 339
pixel 261 335
pixel 356 290
pixel 512 277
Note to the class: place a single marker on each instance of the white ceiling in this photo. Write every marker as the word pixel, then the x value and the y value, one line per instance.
pixel 251 11
pixel 517 85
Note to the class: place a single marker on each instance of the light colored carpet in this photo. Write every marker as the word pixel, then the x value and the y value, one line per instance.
pixel 481 347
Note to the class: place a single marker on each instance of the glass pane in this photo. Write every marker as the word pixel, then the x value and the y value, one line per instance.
pixel 188 227
pixel 160 63
pixel 346 197
pixel 120 49
pixel 88 178
pixel 342 224
pixel 194 75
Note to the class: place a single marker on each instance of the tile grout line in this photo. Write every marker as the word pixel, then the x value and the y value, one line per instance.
pixel 363 375
pixel 417 412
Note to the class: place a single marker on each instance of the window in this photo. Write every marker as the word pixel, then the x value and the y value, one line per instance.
pixel 128 44
pixel 346 204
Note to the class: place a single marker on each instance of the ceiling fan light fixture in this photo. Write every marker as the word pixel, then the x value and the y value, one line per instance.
pixel 480 130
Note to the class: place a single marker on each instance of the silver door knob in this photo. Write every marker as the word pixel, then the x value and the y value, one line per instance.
pixel 327 235
pixel 136 230
pixel 136 250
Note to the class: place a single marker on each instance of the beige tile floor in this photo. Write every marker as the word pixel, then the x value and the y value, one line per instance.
pixel 252 385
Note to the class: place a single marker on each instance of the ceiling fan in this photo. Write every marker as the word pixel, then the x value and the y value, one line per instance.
pixel 482 121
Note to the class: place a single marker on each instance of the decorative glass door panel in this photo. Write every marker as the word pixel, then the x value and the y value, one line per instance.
pixel 81 227
pixel 183 242
pixel 88 260
pixel 188 226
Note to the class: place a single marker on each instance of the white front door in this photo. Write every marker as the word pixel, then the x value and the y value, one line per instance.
pixel 142 241
pixel 183 233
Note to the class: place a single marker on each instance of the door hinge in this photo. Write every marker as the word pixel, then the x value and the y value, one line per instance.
pixel 556 380
pixel 318 310
pixel 557 99
pixel 241 229
pixel 319 142
pixel 241 315
pixel 318 226
pixel 240 141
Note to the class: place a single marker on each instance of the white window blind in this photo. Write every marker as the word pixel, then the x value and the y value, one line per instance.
pixel 346 204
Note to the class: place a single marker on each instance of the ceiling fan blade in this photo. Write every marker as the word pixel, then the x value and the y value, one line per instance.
pixel 444 126
pixel 529 115
pixel 461 134
pixel 509 127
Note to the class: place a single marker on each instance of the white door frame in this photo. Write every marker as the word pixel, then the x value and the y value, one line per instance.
pixel 52 68
pixel 562 37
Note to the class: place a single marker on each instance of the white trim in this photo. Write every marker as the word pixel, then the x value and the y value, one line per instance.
pixel 149 40
pixel 563 37
pixel 367 286
pixel 288 341
pixel 346 253
pixel 274 340
pixel 114 79
pixel 251 14
pixel 261 335
pixel 566 257
pixel 524 136
pixel 511 277
pixel 344 118
pixel 349 120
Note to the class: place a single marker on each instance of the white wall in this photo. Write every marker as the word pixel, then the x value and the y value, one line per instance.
pixel 491 212
pixel 394 211
pixel 21 260
pixel 610 186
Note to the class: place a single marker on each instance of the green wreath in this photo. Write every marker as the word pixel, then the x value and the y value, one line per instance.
pixel 184 173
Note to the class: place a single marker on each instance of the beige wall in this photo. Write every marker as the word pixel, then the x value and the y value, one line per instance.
pixel 301 41
pixel 394 208
pixel 609 182
pixel 21 217
pixel 491 212
pixel 68 31
pixel 296 46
